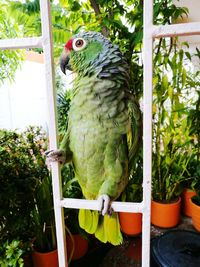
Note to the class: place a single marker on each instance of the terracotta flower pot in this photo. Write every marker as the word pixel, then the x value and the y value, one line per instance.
pixel 131 223
pixel 185 201
pixel 195 215
pixel 165 215
pixel 80 246
pixel 48 259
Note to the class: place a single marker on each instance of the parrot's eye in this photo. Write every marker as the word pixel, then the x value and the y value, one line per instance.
pixel 78 44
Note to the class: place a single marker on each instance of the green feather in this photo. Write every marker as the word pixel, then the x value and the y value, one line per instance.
pixel 101 233
pixel 112 227
pixel 109 230
pixel 88 220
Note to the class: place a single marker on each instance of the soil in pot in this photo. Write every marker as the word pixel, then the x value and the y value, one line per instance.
pixel 165 215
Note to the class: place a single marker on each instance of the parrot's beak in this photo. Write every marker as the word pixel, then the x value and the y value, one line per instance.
pixel 64 62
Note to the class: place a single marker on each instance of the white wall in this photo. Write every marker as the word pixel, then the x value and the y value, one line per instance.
pixel 23 102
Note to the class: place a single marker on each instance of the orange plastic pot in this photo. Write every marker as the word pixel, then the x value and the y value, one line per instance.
pixel 131 223
pixel 80 246
pixel 48 259
pixel 195 215
pixel 165 215
pixel 185 201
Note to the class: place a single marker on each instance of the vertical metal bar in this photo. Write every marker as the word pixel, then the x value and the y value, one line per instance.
pixel 147 129
pixel 56 177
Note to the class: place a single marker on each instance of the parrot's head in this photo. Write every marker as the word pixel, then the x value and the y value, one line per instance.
pixel 88 52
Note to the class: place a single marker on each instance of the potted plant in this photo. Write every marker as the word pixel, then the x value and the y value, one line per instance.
pixel 26 196
pixel 26 207
pixel 172 147
pixel 167 187
pixel 170 173
pixel 171 156
pixel 193 168
pixel 131 223
pixel 44 245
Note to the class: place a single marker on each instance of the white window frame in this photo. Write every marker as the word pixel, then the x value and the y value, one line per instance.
pixel 45 41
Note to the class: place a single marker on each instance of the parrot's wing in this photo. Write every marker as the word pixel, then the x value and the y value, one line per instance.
pixel 134 136
pixel 64 146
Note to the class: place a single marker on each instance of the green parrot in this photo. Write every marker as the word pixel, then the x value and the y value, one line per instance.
pixel 104 128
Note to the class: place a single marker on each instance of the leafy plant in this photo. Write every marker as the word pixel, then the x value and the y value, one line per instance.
pixel 133 191
pixel 27 15
pixel 9 60
pixel 173 148
pixel 43 211
pixel 23 167
pixel 11 254
pixel 43 217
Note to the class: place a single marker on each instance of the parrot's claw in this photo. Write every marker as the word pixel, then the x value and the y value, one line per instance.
pixel 105 205
pixel 55 155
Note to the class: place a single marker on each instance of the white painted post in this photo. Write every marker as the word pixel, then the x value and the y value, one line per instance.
pixel 20 43
pixel 147 129
pixel 51 97
pixel 182 29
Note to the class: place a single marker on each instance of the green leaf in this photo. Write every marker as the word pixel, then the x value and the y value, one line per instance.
pixel 164 83
pixel 170 92
pixel 155 80
pixel 184 76
pixel 188 55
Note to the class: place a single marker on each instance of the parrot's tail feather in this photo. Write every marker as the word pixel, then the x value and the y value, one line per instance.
pixel 101 232
pixel 106 228
pixel 113 229
pixel 88 220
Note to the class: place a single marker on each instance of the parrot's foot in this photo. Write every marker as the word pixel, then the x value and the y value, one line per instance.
pixel 105 205
pixel 55 155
